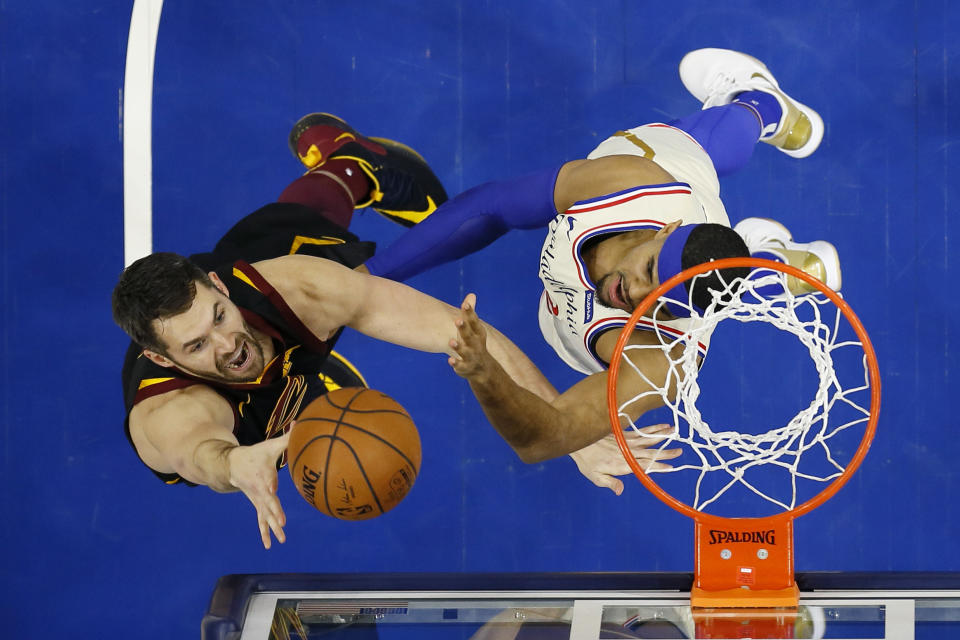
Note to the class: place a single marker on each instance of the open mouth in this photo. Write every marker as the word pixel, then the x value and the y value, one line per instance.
pixel 240 360
pixel 618 294
pixel 625 296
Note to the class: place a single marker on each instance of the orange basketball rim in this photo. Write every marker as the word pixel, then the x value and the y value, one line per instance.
pixel 752 573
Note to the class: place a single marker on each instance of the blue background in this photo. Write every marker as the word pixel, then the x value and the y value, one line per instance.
pixel 483 90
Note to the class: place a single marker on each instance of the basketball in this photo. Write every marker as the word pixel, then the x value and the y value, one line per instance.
pixel 354 453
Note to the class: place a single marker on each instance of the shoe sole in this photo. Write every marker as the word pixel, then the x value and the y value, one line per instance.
pixel 328 119
pixel 831 261
pixel 816 131
pixel 313 120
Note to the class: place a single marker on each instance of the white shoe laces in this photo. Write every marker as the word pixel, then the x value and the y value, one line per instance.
pixel 725 84
pixel 759 236
pixel 720 87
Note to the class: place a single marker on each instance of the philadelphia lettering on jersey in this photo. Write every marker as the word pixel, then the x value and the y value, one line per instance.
pixel 571 319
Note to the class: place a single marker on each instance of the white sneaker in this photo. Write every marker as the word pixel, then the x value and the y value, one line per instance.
pixel 716 76
pixel 818 258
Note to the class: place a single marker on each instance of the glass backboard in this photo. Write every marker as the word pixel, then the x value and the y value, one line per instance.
pixel 578 606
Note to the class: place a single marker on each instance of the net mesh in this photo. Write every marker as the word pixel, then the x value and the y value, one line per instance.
pixel 726 454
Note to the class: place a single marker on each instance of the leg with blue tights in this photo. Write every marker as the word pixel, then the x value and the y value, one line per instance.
pixel 727 133
pixel 476 218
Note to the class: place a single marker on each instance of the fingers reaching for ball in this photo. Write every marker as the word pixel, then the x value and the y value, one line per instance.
pixel 253 470
pixel 270 518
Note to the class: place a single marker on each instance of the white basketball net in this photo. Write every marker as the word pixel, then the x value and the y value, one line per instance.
pixel 726 450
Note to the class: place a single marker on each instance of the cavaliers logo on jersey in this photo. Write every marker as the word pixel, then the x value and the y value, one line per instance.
pixel 287 407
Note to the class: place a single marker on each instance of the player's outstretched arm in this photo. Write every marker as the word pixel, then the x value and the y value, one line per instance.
pixel 326 296
pixel 539 430
pixel 190 432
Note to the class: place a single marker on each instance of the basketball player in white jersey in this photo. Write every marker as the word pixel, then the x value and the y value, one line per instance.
pixel 643 206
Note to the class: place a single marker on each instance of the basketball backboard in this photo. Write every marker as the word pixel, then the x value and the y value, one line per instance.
pixel 578 606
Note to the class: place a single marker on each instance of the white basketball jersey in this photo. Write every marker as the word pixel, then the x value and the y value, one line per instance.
pixel 570 319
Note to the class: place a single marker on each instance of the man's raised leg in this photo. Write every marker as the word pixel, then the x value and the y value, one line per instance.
pixel 402 186
pixel 743 103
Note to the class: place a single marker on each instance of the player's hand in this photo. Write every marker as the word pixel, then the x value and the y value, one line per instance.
pixel 253 470
pixel 471 359
pixel 602 461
